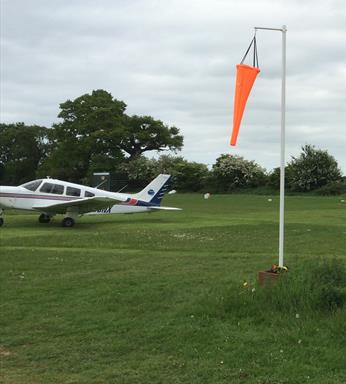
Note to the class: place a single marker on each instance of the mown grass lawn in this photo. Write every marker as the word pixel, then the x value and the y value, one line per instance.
pixel 148 298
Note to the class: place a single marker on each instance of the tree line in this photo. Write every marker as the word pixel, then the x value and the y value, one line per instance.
pixel 95 134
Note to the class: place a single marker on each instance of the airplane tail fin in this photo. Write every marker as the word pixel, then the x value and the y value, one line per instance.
pixel 153 192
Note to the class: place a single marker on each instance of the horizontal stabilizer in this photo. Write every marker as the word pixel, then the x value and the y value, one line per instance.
pixel 165 208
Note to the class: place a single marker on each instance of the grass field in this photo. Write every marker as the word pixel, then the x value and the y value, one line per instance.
pixel 158 298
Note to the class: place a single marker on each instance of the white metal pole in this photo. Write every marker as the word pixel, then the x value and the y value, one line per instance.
pixel 283 30
pixel 282 157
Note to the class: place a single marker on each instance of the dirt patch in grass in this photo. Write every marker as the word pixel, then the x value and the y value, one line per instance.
pixel 4 352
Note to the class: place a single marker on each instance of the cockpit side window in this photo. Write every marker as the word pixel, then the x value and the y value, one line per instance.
pixel 71 191
pixel 32 185
pixel 52 188
pixel 89 194
pixel 58 189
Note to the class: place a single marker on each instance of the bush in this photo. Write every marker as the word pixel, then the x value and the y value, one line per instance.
pixel 137 172
pixel 273 180
pixel 313 169
pixel 232 172
pixel 186 176
pixel 332 189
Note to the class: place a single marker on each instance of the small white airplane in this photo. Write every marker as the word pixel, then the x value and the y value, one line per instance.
pixel 51 197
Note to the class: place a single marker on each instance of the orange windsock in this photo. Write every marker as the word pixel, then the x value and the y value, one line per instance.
pixel 246 76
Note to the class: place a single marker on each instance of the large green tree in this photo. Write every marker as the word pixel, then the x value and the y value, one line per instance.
pixel 144 133
pixel 96 135
pixel 88 139
pixel 22 149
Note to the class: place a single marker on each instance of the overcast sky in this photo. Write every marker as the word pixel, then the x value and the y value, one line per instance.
pixel 175 60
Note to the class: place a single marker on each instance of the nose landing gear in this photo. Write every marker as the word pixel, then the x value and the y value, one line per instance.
pixel 68 222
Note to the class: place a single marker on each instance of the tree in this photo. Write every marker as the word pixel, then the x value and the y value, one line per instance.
pixel 143 133
pixel 231 172
pixel 313 169
pixel 89 137
pixel 22 149
pixel 96 135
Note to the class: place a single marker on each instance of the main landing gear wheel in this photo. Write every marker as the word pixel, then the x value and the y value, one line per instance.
pixel 43 218
pixel 68 222
pixel 1 221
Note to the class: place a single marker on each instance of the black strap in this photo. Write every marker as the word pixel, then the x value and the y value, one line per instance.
pixel 255 55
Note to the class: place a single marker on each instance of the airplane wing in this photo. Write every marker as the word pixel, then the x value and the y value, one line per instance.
pixel 79 206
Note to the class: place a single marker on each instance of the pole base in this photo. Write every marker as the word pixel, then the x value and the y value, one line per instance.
pixel 266 277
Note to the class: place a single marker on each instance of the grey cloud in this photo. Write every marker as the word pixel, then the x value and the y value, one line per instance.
pixel 176 61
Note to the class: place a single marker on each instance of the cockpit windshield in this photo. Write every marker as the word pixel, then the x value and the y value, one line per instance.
pixel 32 185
